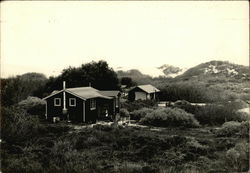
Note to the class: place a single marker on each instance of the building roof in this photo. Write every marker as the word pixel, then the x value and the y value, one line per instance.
pixel 87 92
pixel 147 88
pixel 82 92
pixel 110 93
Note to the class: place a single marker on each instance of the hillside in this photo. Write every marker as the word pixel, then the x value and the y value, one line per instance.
pixel 165 70
pixel 222 69
pixel 210 81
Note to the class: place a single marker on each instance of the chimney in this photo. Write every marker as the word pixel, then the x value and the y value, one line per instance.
pixel 64 85
pixel 64 98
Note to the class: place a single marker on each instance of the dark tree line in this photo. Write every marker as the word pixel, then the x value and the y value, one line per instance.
pixel 18 88
pixel 15 89
pixel 97 74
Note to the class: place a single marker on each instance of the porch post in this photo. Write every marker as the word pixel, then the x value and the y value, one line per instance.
pixel 83 112
pixel 46 116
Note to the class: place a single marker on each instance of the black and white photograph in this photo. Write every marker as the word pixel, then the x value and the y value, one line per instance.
pixel 125 87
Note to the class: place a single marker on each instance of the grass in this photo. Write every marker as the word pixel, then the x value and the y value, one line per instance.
pixel 59 148
pixel 107 149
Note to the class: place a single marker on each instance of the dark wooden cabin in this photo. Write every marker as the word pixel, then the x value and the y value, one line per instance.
pixel 83 104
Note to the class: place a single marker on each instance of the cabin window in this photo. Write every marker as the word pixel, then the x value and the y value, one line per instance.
pixel 72 102
pixel 57 101
pixel 92 104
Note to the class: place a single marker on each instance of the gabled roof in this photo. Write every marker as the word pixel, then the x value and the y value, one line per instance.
pixel 87 92
pixel 110 93
pixel 82 92
pixel 147 88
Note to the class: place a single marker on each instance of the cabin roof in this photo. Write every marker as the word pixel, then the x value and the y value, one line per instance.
pixel 82 92
pixel 110 93
pixel 147 88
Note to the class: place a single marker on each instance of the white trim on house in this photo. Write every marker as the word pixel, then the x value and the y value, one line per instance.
pixel 74 102
pixel 65 91
pixel 55 103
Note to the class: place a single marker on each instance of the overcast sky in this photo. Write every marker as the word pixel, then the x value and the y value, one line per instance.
pixel 49 36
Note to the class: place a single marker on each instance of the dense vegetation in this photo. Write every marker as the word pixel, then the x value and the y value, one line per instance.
pixel 181 137
pixel 168 117
pixel 15 89
pixel 32 145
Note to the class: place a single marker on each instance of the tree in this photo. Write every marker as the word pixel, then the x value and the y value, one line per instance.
pixel 127 81
pixel 98 74
pixel 15 89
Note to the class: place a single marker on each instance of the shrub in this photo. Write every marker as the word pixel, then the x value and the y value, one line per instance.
pixel 185 105
pixel 102 127
pixel 234 128
pixel 138 104
pixel 195 148
pixel 124 112
pixel 244 129
pixel 130 168
pixel 18 125
pixel 24 164
pixel 34 106
pixel 237 157
pixel 229 129
pixel 65 158
pixel 170 117
pixel 217 114
pixel 141 113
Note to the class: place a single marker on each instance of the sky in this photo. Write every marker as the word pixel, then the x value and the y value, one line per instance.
pixel 48 36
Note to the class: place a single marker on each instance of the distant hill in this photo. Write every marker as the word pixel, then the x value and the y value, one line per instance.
pixel 207 82
pixel 162 71
pixel 171 71
pixel 133 73
pixel 217 69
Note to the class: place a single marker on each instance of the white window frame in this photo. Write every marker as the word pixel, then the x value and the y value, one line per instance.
pixel 55 101
pixel 74 101
pixel 92 104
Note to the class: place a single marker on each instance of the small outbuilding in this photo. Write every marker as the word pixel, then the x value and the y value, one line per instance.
pixel 143 92
pixel 82 104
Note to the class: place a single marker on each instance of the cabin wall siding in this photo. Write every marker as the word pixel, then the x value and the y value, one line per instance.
pixel 54 111
pixel 91 115
pixel 140 95
pixel 75 113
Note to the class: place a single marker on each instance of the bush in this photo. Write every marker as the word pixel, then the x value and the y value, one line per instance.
pixel 237 157
pixel 23 164
pixel 138 104
pixel 233 128
pixel 217 114
pixel 65 158
pixel 124 112
pixel 170 117
pixel 34 106
pixel 245 129
pixel 229 129
pixel 185 105
pixel 141 113
pixel 102 127
pixel 18 125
